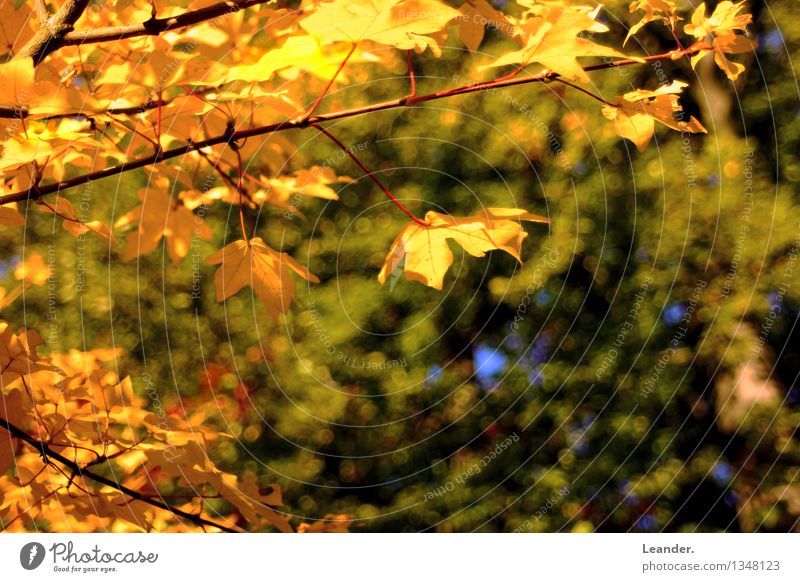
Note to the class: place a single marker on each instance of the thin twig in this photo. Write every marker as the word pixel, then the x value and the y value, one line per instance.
pixel 369 174
pixel 586 91
pixel 411 77
pixel 241 191
pixel 327 88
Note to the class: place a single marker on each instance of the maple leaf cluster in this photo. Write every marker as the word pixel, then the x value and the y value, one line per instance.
pixel 69 422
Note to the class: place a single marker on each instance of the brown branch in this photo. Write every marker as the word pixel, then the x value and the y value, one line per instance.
pixel 413 92
pixel 50 35
pixel 327 88
pixel 156 26
pixel 22 113
pixel 586 92
pixel 48 453
pixel 42 11
pixel 232 136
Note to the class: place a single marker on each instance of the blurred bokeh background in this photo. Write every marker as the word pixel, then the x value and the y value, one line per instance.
pixel 638 373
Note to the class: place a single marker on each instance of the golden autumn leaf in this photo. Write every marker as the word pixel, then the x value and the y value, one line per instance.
pixel 63 208
pixel 425 253
pixel 10 216
pixel 295 50
pixel 18 355
pixel 402 24
pixel 31 271
pixel 17 25
pixel 476 16
pixel 721 30
pixel 553 41
pixel 253 263
pixel 635 113
pixel 726 19
pixel 17 80
pixel 663 10
pixel 161 216
pixel 19 151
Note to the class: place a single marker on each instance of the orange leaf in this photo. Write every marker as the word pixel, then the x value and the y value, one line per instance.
pixel 266 270
pixel 425 252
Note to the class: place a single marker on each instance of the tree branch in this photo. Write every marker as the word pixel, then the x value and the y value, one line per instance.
pixel 42 12
pixel 368 173
pixel 156 26
pixel 22 113
pixel 51 32
pixel 232 136
pixel 48 453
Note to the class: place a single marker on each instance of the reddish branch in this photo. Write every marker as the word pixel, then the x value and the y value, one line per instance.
pixel 327 88
pixel 49 455
pixel 22 113
pixel 369 174
pixel 234 136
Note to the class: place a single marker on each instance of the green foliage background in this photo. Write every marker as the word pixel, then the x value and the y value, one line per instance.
pixel 633 236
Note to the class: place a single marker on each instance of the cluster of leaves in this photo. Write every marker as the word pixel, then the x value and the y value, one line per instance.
pixel 91 109
pixel 88 455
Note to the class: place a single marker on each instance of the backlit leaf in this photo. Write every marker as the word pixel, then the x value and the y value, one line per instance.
pixel 426 255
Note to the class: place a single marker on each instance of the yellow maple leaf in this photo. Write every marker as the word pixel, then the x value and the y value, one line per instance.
pixel 17 80
pixel 476 16
pixel 425 252
pixel 552 39
pixel 635 113
pixel 17 25
pixel 160 216
pixel 402 24
pixel 10 216
pixel 721 29
pixel 19 151
pixel 663 10
pixel 64 209
pixel 295 50
pixel 724 20
pixel 18 355
pixel 32 270
pixel 253 263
